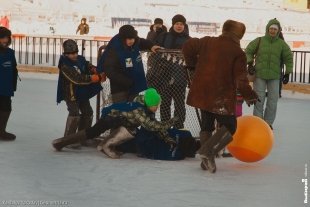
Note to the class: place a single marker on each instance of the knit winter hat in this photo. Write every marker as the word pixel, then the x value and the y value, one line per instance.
pixel 158 21
pixel 70 46
pixel 151 97
pixel 4 32
pixel 127 32
pixel 178 18
pixel 234 27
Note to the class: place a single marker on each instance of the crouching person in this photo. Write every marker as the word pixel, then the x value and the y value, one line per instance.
pixel 124 118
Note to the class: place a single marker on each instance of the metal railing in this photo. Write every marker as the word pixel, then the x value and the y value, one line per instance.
pixel 46 50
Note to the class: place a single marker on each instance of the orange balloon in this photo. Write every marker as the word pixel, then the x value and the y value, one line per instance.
pixel 253 139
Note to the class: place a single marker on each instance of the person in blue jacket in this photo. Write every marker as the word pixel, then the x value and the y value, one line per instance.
pixel 122 63
pixel 78 82
pixel 8 82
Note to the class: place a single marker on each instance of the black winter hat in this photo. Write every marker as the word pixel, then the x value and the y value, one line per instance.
pixel 158 21
pixel 178 18
pixel 4 32
pixel 70 46
pixel 127 32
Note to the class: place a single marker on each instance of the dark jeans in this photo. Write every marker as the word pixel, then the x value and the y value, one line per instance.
pixel 75 108
pixel 177 93
pixel 102 125
pixel 208 121
pixel 5 103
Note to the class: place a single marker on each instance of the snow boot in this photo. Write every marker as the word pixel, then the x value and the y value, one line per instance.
pixel 212 147
pixel 5 136
pixel 72 125
pixel 117 137
pixel 60 143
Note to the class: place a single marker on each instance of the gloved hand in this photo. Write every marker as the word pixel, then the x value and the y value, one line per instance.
pixel 98 78
pixel 252 99
pixel 286 78
pixel 251 69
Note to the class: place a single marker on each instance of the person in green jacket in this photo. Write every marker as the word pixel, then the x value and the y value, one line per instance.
pixel 271 52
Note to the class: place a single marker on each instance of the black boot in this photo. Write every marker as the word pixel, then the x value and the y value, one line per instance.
pixel 5 136
pixel 60 143
pixel 189 146
pixel 209 150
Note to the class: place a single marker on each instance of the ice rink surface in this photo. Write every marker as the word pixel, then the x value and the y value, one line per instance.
pixel 31 171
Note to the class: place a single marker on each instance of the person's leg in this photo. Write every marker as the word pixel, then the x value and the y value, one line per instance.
pixel 86 117
pixel 259 87
pixel 73 118
pixel 5 112
pixel 179 105
pixel 165 106
pixel 272 101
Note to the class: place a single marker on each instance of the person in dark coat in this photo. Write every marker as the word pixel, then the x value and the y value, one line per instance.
pixel 220 69
pixel 173 75
pixel 8 82
pixel 83 28
pixel 122 63
pixel 156 29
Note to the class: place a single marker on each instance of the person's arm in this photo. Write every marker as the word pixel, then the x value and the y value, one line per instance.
pixel 190 52
pixel 112 68
pixel 241 80
pixel 77 30
pixel 287 57
pixel 250 50
pixel 76 78
pixel 15 73
pixel 145 44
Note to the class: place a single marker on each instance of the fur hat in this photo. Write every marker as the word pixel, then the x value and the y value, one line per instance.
pixel 158 21
pixel 70 46
pixel 178 18
pixel 127 32
pixel 235 28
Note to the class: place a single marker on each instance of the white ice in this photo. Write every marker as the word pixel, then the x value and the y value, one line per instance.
pixel 31 171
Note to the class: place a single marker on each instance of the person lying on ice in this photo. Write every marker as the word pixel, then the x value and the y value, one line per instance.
pixel 124 118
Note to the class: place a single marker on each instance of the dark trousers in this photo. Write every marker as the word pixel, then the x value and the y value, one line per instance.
pixel 103 124
pixel 5 103
pixel 208 121
pixel 177 94
pixel 75 107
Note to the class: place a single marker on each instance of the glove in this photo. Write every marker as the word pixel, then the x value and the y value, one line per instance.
pixel 251 69
pixel 98 78
pixel 286 78
pixel 253 99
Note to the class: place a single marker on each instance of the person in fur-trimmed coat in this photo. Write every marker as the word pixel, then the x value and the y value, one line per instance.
pixel 220 69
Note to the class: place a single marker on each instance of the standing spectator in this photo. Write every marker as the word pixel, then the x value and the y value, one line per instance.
pixel 174 75
pixel 78 82
pixel 156 29
pixel 83 27
pixel 272 50
pixel 8 82
pixel 4 22
pixel 220 68
pixel 122 62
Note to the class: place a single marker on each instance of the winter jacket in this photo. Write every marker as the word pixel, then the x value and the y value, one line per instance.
pixel 152 35
pixel 74 82
pixel 271 53
pixel 83 28
pixel 123 66
pixel 220 68
pixel 136 114
pixel 8 72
